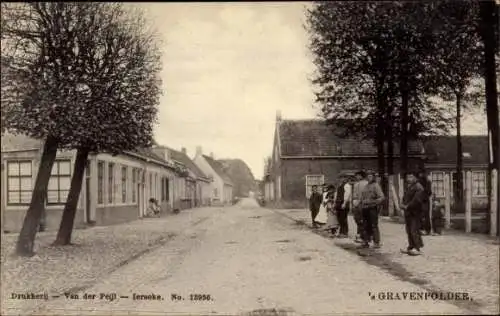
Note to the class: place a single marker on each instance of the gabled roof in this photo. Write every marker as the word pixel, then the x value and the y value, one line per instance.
pixel 19 142
pixel 219 169
pixel 11 142
pixel 314 138
pixel 186 161
pixel 443 149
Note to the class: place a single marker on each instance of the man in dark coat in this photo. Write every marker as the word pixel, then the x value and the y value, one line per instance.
pixel 426 218
pixel 314 203
pixel 412 206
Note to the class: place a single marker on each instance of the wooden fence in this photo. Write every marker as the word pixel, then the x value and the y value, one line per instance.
pixel 395 198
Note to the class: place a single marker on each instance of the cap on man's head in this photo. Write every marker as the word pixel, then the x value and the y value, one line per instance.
pixel 362 173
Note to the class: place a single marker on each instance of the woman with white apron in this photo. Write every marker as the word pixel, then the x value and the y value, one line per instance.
pixel 322 217
pixel 332 222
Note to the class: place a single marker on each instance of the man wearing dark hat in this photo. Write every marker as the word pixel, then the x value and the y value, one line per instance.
pixel 412 205
pixel 426 218
pixel 358 187
pixel 371 198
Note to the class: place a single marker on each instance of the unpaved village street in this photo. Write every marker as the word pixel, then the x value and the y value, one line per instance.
pixel 243 259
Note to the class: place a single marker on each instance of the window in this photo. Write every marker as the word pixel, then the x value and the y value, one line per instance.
pixel 150 185
pixel 59 182
pixel 124 184
pixel 134 184
pixel 163 188
pixel 479 183
pixel 156 187
pixel 312 180
pixel 437 184
pixel 111 182
pixel 100 182
pixel 167 190
pixel 19 175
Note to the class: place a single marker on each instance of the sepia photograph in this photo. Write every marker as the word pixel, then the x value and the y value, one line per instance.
pixel 250 158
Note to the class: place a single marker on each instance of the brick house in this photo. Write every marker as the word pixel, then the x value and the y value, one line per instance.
pixel 221 186
pixel 308 152
pixel 440 163
pixel 116 188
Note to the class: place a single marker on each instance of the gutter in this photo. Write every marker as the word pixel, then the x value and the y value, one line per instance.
pixel 344 157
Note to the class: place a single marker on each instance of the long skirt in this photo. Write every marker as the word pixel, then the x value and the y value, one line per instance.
pixel 332 221
pixel 322 216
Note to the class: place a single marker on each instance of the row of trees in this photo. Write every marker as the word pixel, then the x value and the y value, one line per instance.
pixel 386 68
pixel 82 76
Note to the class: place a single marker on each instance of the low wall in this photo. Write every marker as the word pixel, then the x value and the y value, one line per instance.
pixel 13 219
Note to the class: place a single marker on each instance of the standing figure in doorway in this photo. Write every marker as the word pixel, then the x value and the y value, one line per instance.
pixel 412 206
pixel 342 199
pixel 371 198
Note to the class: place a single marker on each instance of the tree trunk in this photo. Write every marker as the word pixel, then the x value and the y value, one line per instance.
pixel 26 239
pixel 379 139
pixel 403 149
pixel 459 195
pixel 68 218
pixel 489 16
pixel 390 156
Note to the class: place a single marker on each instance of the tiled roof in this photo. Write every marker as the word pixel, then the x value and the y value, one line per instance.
pixel 219 169
pixel 11 142
pixel 148 153
pixel 317 139
pixel 443 149
pixel 186 161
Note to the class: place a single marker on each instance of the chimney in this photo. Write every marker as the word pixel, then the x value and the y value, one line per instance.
pixel 183 149
pixel 278 115
pixel 199 152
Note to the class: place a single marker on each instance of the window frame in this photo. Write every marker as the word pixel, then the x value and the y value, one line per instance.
pixel 435 181
pixel 58 175
pixel 308 186
pixel 124 179
pixel 484 179
pixel 111 183
pixel 19 177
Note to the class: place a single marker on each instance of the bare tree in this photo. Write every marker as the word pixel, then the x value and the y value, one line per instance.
pixel 89 73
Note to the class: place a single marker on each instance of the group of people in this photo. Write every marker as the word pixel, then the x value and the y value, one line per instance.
pixel 363 196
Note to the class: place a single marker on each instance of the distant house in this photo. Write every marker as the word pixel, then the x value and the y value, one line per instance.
pixel 222 186
pixel 116 188
pixel 196 184
pixel 309 152
pixel 441 160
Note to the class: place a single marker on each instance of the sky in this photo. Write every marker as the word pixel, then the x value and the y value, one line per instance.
pixel 227 69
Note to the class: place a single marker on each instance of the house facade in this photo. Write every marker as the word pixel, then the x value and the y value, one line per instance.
pixel 196 184
pixel 309 152
pixel 221 188
pixel 116 188
pixel 440 163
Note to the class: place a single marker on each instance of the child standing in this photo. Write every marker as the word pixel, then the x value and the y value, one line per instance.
pixel 437 217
